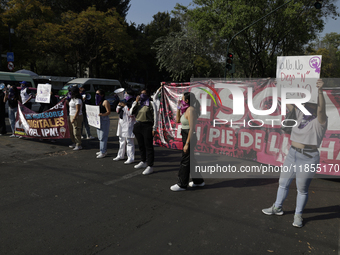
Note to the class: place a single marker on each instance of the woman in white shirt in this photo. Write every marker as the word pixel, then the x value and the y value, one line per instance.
pixel 303 156
pixel 76 118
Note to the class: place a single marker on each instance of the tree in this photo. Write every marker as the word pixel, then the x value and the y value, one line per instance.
pixel 184 54
pixel 61 6
pixel 87 38
pixel 328 47
pixel 283 33
pixel 25 17
pixel 144 68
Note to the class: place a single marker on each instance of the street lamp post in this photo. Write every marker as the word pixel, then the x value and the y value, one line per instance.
pixel 225 72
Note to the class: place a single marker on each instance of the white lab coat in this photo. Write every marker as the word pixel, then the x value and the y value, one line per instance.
pixel 125 125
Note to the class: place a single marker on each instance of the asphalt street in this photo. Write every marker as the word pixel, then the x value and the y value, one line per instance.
pixel 58 201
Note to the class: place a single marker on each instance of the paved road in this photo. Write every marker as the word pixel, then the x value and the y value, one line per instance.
pixel 58 201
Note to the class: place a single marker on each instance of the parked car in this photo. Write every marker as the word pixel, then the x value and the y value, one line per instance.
pixel 91 85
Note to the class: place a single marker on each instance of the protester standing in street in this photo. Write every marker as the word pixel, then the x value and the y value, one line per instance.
pixel 303 155
pixel 75 119
pixel 103 131
pixel 126 122
pixel 188 110
pixel 13 97
pixel 46 106
pixel 26 95
pixel 85 122
pixel 144 129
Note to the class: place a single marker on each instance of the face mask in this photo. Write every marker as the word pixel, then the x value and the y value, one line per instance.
pixel 184 106
pixel 144 97
pixel 98 98
pixel 308 118
pixel 144 100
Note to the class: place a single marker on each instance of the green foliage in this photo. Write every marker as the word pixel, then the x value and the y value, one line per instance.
pixel 329 48
pixel 61 6
pixel 66 37
pixel 183 55
pixel 283 33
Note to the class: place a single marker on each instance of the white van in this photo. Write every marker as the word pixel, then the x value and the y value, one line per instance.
pixel 9 78
pixel 91 85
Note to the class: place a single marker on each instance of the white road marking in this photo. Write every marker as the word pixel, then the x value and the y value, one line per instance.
pixel 125 177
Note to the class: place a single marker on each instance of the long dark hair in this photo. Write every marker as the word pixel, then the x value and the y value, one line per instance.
pixel 101 93
pixel 193 102
pixel 75 92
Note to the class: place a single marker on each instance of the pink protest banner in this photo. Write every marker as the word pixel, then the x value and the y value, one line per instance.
pixel 51 124
pixel 247 136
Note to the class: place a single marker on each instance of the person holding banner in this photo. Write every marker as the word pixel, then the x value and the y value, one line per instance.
pixel 76 118
pixel 303 156
pixel 125 128
pixel 13 97
pixel 46 106
pixel 188 110
pixel 26 95
pixel 103 131
pixel 144 129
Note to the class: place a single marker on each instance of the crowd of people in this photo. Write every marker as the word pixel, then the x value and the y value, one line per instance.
pixel 138 119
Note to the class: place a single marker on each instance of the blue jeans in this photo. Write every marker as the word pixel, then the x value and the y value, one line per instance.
pixel 103 133
pixel 11 116
pixel 300 167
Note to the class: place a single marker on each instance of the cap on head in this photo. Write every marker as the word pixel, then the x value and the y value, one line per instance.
pixel 23 82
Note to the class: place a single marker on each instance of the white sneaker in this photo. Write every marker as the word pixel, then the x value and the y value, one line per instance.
pixel 77 148
pixel 99 152
pixel 176 188
pixel 82 137
pixel 102 155
pixel 129 161
pixel 141 165
pixel 193 185
pixel 73 145
pixel 117 158
pixel 148 170
pixel 13 135
pixel 90 137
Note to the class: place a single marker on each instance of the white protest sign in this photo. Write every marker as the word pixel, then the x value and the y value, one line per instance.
pixel 299 72
pixel 43 93
pixel 93 118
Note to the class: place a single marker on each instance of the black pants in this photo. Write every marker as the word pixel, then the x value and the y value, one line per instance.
pixel 143 133
pixel 2 123
pixel 184 170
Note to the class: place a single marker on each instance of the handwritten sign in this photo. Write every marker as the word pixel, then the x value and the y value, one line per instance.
pixel 299 72
pixel 43 93
pixel 93 118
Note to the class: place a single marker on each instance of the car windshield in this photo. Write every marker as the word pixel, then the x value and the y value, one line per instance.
pixel 71 84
